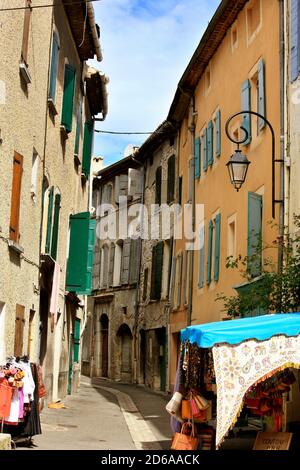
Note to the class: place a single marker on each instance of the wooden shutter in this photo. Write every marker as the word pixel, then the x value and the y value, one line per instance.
pixel 217 247
pixel 16 197
pixel 201 255
pixel 26 29
pixel 246 106
pixel 87 148
pixel 49 220
pixel 55 226
pixel 197 157
pixel 53 67
pixel 171 179
pixel 209 252
pixel 294 39
pixel 19 330
pixel 204 147
pixel 125 261
pixel 158 186
pixel 179 278
pixel 81 253
pixel 135 256
pixel 77 340
pixel 78 127
pixel 261 93
pixel 68 98
pixel 210 143
pixel 254 234
pixel 111 265
pixel 218 133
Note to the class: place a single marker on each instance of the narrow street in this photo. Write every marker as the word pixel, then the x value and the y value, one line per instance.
pixel 124 418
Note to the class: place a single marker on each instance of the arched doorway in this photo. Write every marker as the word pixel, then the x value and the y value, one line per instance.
pixel 126 352
pixel 104 323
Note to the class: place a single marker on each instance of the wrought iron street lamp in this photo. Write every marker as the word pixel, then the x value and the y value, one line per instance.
pixel 238 163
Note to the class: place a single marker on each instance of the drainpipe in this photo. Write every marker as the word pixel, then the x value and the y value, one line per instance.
pixel 191 265
pixel 91 15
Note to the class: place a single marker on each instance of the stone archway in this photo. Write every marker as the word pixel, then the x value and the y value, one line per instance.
pixel 125 336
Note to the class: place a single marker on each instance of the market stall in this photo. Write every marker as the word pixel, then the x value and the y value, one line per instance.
pixel 240 356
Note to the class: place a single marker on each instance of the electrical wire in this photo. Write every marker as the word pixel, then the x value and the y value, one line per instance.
pixel 32 7
pixel 84 25
pixel 122 133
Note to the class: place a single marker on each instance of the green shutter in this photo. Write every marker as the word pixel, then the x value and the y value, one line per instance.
pixel 55 226
pixel 218 133
pixel 254 234
pixel 204 147
pixel 217 247
pixel 87 148
pixel 201 255
pixel 53 69
pixel 158 186
pixel 246 106
pixel 261 93
pixel 68 98
pixel 81 253
pixel 49 220
pixel 171 179
pixel 197 157
pixel 209 252
pixel 78 128
pixel 76 340
pixel 210 143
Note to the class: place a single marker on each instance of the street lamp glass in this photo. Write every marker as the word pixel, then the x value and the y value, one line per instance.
pixel 237 168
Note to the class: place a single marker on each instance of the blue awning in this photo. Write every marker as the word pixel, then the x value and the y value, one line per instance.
pixel 236 331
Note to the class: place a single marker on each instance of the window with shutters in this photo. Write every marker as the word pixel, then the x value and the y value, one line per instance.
pixel 87 148
pixel 217 247
pixel 254 242
pixel 55 228
pixel 19 330
pixel 253 19
pixel 53 68
pixel 171 179
pixel 157 270
pixel 14 233
pixel 68 97
pixel 257 81
pixel 125 261
pixel 158 186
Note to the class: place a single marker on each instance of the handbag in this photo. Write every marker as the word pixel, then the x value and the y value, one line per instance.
pixel 189 410
pixel 202 403
pixel 183 441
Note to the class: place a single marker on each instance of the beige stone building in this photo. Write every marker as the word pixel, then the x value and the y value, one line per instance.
pixel 48 99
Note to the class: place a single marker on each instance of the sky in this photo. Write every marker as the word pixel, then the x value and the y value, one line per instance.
pixel 146 46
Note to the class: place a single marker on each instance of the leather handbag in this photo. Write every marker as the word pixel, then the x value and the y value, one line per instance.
pixel 183 441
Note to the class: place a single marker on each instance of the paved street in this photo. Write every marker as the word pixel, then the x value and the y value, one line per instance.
pixel 124 418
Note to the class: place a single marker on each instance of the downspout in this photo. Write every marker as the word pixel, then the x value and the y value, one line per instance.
pixel 285 13
pixel 91 15
pixel 191 265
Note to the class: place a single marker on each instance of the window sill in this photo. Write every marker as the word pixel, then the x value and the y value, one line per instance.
pixel 15 247
pixel 24 72
pixel 52 107
pixel 64 132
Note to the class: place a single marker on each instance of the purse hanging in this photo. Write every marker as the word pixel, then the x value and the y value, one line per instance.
pixel 183 441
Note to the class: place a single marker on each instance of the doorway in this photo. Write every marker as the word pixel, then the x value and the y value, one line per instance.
pixel 104 324
pixel 126 352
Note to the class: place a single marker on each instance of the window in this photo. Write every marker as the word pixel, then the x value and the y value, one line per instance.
pixel 157 270
pixel 254 243
pixel 55 229
pixel 87 148
pixel 53 67
pixel 254 19
pixel 68 98
pixel 34 174
pixel 54 204
pixel 171 179
pixel 19 330
pixel 234 37
pixel 14 233
pixel 158 186
pixel 231 236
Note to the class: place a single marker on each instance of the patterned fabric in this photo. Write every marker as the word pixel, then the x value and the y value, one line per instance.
pixel 241 366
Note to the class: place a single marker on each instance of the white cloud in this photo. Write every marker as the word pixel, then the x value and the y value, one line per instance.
pixel 146 47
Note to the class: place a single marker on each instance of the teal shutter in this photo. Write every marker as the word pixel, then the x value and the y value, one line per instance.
pixel 218 133
pixel 204 147
pixel 217 247
pixel 254 234
pixel 87 148
pixel 49 220
pixel 68 98
pixel 158 186
pixel 55 226
pixel 78 128
pixel 76 340
pixel 261 93
pixel 210 143
pixel 246 106
pixel 81 253
pixel 53 68
pixel 201 255
pixel 209 252
pixel 197 157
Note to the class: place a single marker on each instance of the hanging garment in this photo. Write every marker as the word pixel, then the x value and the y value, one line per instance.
pixel 33 425
pixel 21 403
pixel 28 381
pixel 13 416
pixel 5 400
